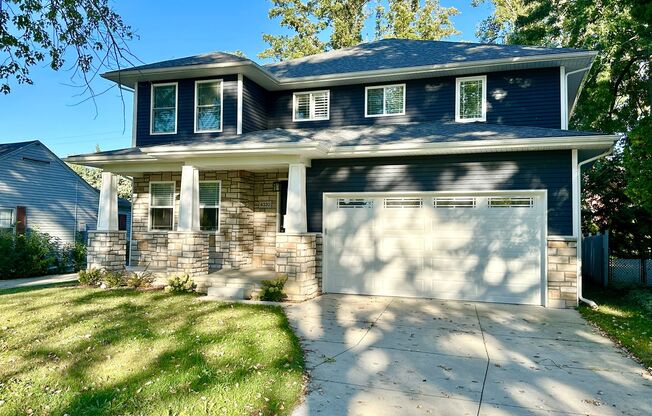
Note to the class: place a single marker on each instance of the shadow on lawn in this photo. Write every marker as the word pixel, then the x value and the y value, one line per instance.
pixel 170 348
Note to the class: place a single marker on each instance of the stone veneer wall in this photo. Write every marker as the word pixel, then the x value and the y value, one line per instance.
pixel 106 250
pixel 188 253
pixel 296 257
pixel 248 221
pixel 319 259
pixel 562 273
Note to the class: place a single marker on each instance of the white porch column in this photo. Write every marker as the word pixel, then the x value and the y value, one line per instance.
pixel 107 213
pixel 189 199
pixel 296 218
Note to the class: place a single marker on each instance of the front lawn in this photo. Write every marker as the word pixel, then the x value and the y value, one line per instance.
pixel 121 352
pixel 626 316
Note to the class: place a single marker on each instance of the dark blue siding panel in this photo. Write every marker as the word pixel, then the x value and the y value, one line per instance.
pixel 520 98
pixel 254 106
pixel 480 172
pixel 186 111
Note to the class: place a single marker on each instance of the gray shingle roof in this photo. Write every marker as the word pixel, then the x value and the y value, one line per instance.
pixel 400 53
pixel 6 148
pixel 378 55
pixel 341 137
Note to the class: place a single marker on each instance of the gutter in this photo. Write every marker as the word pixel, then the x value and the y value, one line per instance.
pixel 580 296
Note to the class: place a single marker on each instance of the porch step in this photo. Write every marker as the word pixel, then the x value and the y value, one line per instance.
pixel 226 292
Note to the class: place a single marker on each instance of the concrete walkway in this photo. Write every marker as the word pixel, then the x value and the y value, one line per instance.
pixel 38 281
pixel 373 355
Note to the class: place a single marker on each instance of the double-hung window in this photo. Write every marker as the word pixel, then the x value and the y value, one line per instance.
pixel 309 106
pixel 208 106
pixel 209 205
pixel 471 99
pixel 6 219
pixel 161 206
pixel 385 100
pixel 164 108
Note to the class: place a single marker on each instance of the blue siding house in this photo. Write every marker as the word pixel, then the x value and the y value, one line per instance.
pixel 39 191
pixel 396 167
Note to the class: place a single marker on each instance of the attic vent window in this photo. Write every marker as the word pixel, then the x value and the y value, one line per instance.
pixel 309 106
pixel 471 99
pixel 385 100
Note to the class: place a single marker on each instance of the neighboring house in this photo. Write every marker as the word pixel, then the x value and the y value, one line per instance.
pixel 396 167
pixel 39 191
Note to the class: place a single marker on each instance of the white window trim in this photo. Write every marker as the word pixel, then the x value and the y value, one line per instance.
pixel 458 82
pixel 176 108
pixel 208 81
pixel 312 106
pixel 13 218
pixel 149 207
pixel 218 206
pixel 384 114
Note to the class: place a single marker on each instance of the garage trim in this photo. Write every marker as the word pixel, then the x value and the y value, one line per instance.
pixel 543 193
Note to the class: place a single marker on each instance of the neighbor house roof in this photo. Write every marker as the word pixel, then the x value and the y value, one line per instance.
pixel 6 148
pixel 348 141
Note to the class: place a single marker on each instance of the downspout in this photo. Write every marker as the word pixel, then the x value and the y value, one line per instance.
pixel 589 302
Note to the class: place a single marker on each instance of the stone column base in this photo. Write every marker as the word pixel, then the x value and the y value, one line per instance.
pixel 296 257
pixel 106 250
pixel 562 273
pixel 187 253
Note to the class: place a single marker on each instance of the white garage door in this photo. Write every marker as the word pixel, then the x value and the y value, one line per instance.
pixel 475 247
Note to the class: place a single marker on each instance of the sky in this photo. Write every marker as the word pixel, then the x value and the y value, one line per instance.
pixel 51 111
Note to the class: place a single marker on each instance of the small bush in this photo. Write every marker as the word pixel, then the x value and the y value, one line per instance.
pixel 112 279
pixel 643 298
pixel 272 290
pixel 140 279
pixel 90 277
pixel 180 284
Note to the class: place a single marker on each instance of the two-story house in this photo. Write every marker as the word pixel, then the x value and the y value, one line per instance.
pixel 396 167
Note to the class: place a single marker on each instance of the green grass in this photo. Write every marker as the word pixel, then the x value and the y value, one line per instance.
pixel 92 352
pixel 626 316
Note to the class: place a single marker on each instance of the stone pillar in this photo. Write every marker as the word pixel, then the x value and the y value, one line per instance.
pixel 107 212
pixel 296 257
pixel 187 253
pixel 106 250
pixel 562 272
pixel 296 218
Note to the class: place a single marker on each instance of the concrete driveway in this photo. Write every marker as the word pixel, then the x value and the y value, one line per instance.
pixel 390 356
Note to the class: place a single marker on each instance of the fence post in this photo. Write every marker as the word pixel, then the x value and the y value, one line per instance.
pixel 605 258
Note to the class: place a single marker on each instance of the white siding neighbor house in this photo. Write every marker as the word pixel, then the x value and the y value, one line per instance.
pixel 39 191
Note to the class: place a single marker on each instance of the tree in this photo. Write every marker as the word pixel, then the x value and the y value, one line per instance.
pixel 89 32
pixel 411 20
pixel 638 164
pixel 94 178
pixel 496 27
pixel 342 22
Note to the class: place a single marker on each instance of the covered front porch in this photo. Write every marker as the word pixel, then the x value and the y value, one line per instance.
pixel 210 219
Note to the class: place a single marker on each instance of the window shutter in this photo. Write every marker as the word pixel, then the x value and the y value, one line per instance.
pixel 21 220
pixel 162 194
pixel 320 105
pixel 122 222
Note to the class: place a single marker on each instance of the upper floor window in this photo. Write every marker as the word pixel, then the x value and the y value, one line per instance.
pixel 6 219
pixel 312 105
pixel 161 205
pixel 209 205
pixel 385 100
pixel 164 108
pixel 208 106
pixel 471 99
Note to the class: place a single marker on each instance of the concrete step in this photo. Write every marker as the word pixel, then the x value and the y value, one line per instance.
pixel 226 292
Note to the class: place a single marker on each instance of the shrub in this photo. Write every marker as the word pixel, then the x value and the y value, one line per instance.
pixel 140 279
pixel 111 279
pixel 31 254
pixel 180 284
pixel 643 298
pixel 272 290
pixel 90 277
